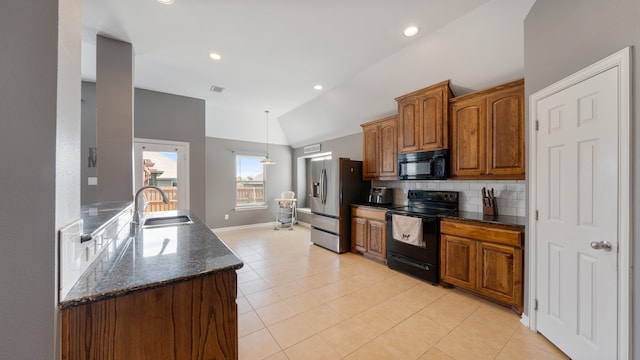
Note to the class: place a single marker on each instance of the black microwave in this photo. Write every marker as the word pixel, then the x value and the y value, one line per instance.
pixel 426 165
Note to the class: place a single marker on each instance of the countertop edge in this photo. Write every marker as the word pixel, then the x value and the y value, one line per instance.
pixel 125 291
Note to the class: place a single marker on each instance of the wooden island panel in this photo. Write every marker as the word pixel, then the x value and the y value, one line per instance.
pixel 193 319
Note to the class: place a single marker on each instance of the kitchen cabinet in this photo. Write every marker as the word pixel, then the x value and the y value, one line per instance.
pixel 368 232
pixel 487 133
pixel 423 121
pixel 193 319
pixel 483 258
pixel 380 149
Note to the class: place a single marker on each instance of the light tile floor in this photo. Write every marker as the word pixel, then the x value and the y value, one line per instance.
pixel 299 301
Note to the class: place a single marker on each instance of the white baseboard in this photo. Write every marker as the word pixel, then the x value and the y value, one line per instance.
pixel 250 226
pixel 240 227
pixel 524 320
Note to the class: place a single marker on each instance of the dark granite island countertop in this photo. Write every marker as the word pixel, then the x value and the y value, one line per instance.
pixel 95 216
pixel 153 257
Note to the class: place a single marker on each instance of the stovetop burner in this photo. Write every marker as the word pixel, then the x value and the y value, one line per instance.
pixel 423 211
pixel 429 203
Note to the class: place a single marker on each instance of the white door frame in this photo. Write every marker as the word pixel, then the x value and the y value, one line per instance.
pixel 621 61
pixel 183 167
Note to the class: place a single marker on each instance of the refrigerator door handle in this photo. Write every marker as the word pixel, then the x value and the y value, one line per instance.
pixel 324 186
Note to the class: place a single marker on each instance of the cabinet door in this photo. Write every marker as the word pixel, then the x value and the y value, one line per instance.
pixel 370 152
pixel 408 125
pixel 500 273
pixel 433 127
pixel 505 135
pixel 358 234
pixel 377 245
pixel 468 151
pixel 388 166
pixel 458 261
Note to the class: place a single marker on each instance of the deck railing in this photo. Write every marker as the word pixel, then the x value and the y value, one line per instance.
pixel 250 195
pixel 154 199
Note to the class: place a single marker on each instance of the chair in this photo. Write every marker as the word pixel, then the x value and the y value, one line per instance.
pixel 286 215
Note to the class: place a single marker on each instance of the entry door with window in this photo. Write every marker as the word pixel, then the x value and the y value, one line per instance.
pixel 579 234
pixel 163 164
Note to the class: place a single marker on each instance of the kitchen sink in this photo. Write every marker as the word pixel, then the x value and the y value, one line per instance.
pixel 167 221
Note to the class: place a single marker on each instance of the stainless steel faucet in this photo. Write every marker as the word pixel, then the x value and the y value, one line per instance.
pixel 136 209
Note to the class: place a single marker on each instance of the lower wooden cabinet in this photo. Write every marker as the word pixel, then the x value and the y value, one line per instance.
pixel 193 319
pixel 368 232
pixel 459 261
pixel 485 259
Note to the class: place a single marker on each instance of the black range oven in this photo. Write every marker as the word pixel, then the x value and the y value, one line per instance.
pixel 413 233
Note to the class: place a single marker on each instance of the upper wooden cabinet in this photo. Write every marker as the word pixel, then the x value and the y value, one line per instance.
pixel 487 133
pixel 380 149
pixel 423 121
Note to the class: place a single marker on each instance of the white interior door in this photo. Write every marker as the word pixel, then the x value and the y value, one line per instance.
pixel 164 164
pixel 577 229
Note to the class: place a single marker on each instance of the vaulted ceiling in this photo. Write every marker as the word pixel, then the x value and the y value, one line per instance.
pixel 274 52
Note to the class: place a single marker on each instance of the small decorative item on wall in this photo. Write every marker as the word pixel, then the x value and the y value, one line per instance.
pixel 93 157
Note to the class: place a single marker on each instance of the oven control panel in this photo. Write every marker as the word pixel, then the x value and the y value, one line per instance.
pixel 433 196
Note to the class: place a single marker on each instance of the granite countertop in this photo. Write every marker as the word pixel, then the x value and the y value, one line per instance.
pixel 95 216
pixel 154 257
pixel 507 220
pixel 377 206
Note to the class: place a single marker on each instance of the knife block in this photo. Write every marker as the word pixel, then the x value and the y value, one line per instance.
pixel 490 210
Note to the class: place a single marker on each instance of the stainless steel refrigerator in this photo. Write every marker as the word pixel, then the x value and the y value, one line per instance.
pixel 334 185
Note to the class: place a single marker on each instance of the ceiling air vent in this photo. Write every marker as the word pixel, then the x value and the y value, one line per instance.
pixel 216 89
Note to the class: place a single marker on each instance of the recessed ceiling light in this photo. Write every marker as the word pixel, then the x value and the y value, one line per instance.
pixel 318 87
pixel 411 31
pixel 166 2
pixel 215 56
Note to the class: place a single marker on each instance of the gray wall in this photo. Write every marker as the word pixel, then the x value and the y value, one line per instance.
pixel 88 131
pixel 349 146
pixel 40 99
pixel 158 116
pixel 114 109
pixel 176 118
pixel 221 181
pixel 562 37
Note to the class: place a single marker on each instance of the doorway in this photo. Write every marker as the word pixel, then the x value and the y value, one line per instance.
pixel 579 219
pixel 164 164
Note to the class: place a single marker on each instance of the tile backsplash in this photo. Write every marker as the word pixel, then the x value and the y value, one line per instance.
pixel 511 194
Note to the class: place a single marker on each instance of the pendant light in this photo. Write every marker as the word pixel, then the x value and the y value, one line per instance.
pixel 267 160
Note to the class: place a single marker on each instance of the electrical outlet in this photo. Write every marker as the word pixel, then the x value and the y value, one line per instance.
pixel 226 216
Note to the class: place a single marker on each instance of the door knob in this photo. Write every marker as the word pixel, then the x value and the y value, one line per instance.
pixel 602 245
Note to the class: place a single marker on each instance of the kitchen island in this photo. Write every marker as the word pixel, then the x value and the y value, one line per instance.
pixel 170 293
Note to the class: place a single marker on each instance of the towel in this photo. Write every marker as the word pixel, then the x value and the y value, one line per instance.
pixel 407 229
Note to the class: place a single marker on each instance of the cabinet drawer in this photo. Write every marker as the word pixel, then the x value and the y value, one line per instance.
pixel 482 232
pixel 369 213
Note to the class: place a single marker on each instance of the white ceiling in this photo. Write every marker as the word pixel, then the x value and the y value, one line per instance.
pixel 273 52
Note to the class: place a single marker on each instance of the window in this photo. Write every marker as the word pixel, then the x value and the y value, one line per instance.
pixel 249 181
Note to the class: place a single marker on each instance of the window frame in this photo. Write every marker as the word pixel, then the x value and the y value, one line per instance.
pixel 251 206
